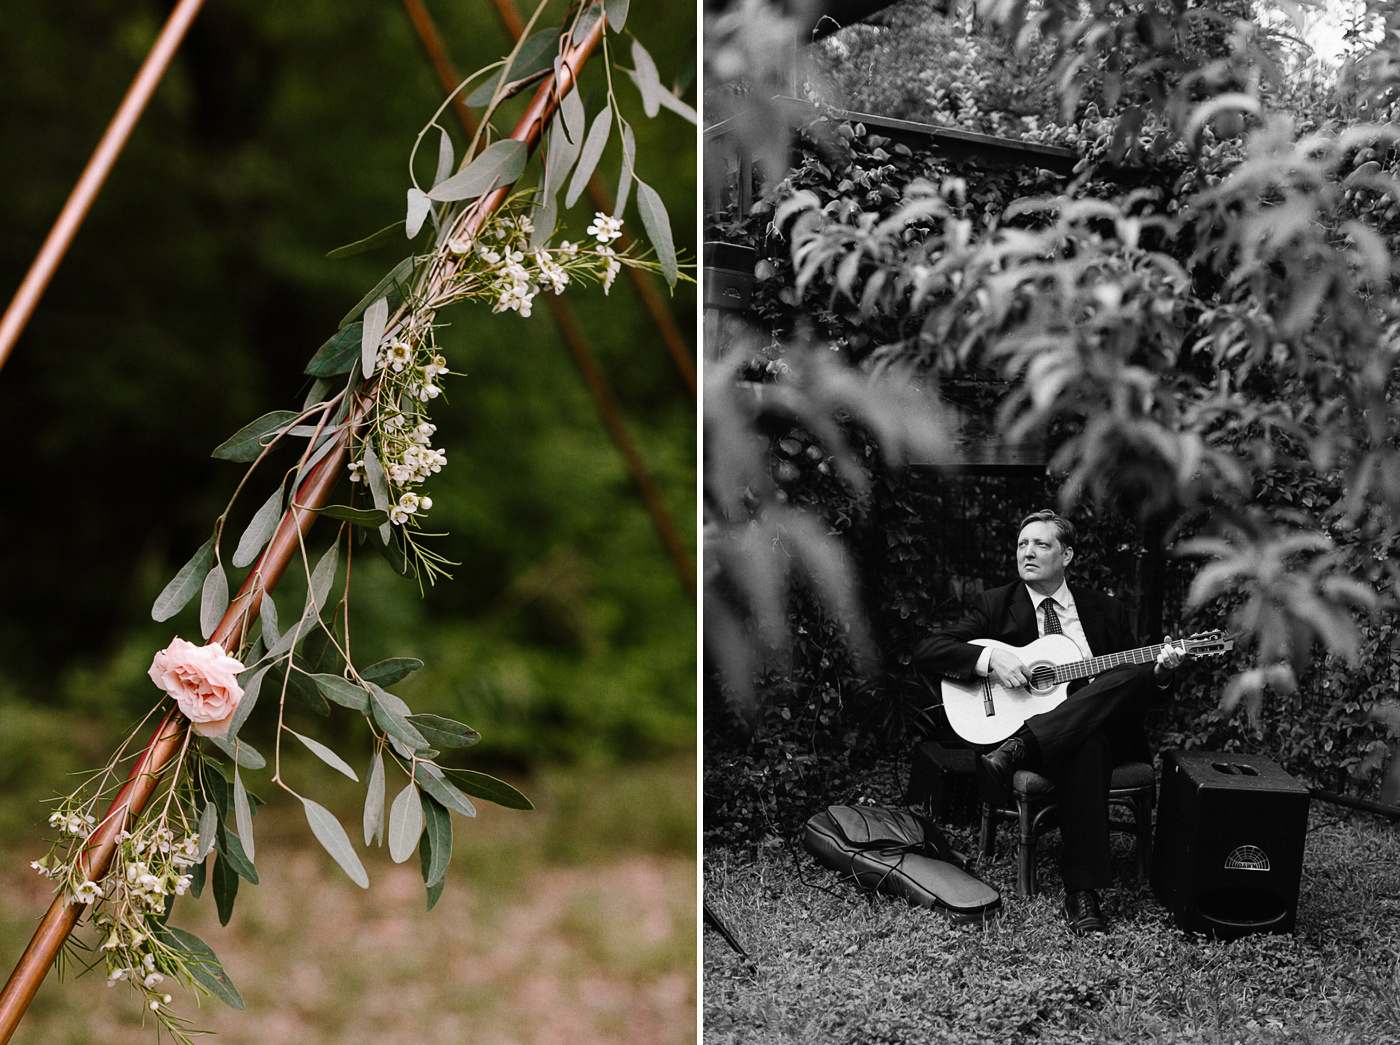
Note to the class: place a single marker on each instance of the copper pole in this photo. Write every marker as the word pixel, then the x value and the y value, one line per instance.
pixel 36 280
pixel 568 326
pixel 168 740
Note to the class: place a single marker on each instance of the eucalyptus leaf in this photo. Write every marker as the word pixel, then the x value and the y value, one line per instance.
pixel 593 147
pixel 405 824
pixel 559 158
pixel 341 351
pixel 658 225
pixel 586 22
pixel 267 613
pixel 374 800
pixel 418 207
pixel 335 841
pixel 616 11
pixel 231 849
pixel 571 108
pixel 204 965
pixel 395 554
pixel 316 394
pixel 386 235
pixel 425 860
pixel 325 754
pixel 242 753
pixel 488 787
pixel 208 827
pixel 225 884
pixel 387 672
pixel 545 217
pixel 251 689
pixel 374 518
pixel 342 691
pixel 323 576
pixel 243 816
pixel 372 333
pixel 260 530
pixel 248 443
pixel 437 834
pixel 302 688
pixel 385 288
pixel 500 163
pixel 431 779
pixel 177 594
pixel 197 877
pixel 446 158
pixel 444 732
pixel 647 79
pixel 629 164
pixel 378 488
pixel 213 601
pixel 535 55
pixel 393 722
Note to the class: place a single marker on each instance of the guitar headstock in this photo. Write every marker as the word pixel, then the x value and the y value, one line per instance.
pixel 1208 643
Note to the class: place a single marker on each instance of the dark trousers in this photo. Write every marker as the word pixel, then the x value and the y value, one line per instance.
pixel 1097 728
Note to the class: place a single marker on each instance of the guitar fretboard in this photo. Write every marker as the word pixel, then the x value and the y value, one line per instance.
pixel 1083 669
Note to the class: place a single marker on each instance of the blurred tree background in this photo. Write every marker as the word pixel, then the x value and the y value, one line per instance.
pixel 189 304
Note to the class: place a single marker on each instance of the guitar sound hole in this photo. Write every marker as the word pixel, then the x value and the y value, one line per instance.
pixel 1042 678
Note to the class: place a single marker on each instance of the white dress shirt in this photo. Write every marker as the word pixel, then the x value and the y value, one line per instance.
pixel 1065 609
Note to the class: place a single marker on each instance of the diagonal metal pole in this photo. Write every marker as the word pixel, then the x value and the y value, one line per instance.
pixel 569 328
pixel 641 281
pixel 169 738
pixel 36 280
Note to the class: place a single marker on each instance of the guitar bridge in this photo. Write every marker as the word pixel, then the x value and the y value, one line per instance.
pixel 987 706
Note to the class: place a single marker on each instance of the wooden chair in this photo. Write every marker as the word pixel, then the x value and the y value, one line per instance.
pixel 1133 787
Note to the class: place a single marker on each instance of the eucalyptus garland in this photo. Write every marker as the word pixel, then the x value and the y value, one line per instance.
pixel 376 381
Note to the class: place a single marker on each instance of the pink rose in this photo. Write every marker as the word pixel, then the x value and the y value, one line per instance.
pixel 203 680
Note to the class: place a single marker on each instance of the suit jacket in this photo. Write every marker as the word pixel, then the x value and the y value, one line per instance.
pixel 1007 614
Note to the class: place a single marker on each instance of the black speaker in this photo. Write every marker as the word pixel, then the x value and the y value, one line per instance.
pixel 1228 855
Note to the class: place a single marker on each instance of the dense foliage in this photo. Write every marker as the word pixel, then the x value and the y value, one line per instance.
pixel 189 304
pixel 1198 326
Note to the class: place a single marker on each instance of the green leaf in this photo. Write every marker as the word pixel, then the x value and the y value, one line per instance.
pixel 251 688
pixel 340 353
pixel 197 878
pixel 259 530
pixel 431 780
pixel 242 753
pixel 405 824
pixel 372 333
pixel 536 54
pixel 586 22
pixel 243 816
pixel 593 146
pixel 437 835
pixel 325 754
pixel 204 965
pixel 545 217
pixel 225 885
pixel 647 79
pixel 393 723
pixel 386 235
pixel 418 207
pixel 426 855
pixel 378 490
pixel 372 517
pixel 231 849
pixel 616 11
pixel 213 601
pixel 247 443
pixel 335 841
pixel 658 225
pixel 342 691
pixel 323 576
pixel 571 108
pixel 387 672
pixel 559 157
pixel 444 732
pixel 374 800
pixel 385 288
pixel 500 163
pixel 267 613
pixel 300 686
pixel 446 157
pixel 395 554
pixel 208 828
pixel 629 163
pixel 177 594
pixel 488 787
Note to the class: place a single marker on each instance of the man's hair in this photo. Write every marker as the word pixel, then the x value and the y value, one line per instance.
pixel 1064 529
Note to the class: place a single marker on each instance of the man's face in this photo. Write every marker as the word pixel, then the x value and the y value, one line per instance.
pixel 1041 558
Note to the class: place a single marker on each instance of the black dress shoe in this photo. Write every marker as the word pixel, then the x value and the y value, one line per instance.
pixel 1082 912
pixel 994 770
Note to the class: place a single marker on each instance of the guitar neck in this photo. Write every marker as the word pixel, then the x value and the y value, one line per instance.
pixel 1083 669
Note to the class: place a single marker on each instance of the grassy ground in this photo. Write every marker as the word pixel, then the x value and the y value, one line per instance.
pixel 573 923
pixel 835 965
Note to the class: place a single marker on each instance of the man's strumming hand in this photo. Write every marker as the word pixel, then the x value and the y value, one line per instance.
pixel 1007 669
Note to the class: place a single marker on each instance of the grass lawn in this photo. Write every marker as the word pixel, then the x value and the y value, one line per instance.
pixel 572 923
pixel 833 964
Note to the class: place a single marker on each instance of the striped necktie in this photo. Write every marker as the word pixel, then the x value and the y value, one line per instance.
pixel 1052 620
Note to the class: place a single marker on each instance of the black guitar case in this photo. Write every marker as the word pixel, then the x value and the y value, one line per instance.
pixel 895 852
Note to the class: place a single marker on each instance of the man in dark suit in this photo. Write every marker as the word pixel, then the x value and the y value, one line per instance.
pixel 1078 743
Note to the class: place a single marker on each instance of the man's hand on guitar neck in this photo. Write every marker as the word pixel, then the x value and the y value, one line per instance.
pixel 1167 661
pixel 1007 669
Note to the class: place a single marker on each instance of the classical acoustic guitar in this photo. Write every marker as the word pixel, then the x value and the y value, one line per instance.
pixel 983 711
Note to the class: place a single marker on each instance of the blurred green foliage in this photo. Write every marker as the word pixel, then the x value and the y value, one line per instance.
pixel 191 300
